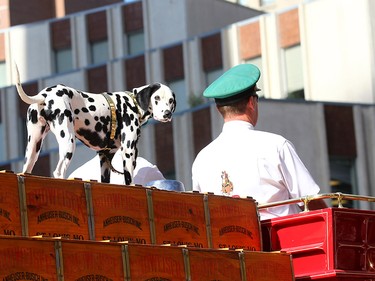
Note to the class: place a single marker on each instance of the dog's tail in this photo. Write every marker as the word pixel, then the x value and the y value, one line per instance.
pixel 27 99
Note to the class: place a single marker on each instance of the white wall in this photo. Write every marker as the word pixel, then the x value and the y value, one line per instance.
pixel 338 50
pixel 30 49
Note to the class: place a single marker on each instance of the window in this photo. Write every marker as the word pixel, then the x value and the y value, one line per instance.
pixel 63 60
pixel 178 87
pixel 99 51
pixel 136 42
pixel 294 72
pixel 343 178
pixel 3 154
pixel 258 62
pixel 212 76
pixel 3 76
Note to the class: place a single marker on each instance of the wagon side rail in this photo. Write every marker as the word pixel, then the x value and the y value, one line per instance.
pixel 307 199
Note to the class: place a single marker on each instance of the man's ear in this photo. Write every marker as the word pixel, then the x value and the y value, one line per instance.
pixel 143 97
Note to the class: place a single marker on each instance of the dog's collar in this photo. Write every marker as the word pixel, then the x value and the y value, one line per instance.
pixel 113 115
pixel 135 101
pixel 141 113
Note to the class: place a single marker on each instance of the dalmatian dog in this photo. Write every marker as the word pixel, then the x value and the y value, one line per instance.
pixel 104 122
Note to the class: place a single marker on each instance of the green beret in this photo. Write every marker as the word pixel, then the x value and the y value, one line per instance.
pixel 236 81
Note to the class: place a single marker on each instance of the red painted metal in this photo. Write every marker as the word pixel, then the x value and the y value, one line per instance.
pixel 328 244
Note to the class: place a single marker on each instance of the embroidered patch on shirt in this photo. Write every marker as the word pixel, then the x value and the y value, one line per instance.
pixel 226 184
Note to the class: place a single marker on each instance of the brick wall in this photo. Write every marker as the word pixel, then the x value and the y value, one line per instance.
pixel 340 130
pixel 211 52
pixel 60 34
pixel 289 28
pixel 97 79
pixel 132 17
pixel 135 72
pixel 97 26
pixel 201 129
pixel 173 63
pixel 21 11
pixel 73 6
pixel 249 37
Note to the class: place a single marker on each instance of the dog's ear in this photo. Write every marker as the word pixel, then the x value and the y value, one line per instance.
pixel 143 96
pixel 174 102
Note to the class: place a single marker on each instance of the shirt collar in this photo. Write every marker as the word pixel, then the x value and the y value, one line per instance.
pixel 237 125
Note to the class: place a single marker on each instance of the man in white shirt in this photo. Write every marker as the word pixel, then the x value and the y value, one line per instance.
pixel 246 162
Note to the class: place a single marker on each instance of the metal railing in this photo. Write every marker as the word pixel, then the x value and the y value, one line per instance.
pixel 307 199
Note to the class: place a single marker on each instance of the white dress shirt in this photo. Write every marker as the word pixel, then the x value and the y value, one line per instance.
pixel 262 165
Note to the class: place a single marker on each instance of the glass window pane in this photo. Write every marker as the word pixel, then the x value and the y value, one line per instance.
pixel 99 52
pixel 212 76
pixel 178 87
pixel 294 73
pixel 136 43
pixel 2 147
pixel 3 74
pixel 63 60
pixel 343 178
pixel 258 62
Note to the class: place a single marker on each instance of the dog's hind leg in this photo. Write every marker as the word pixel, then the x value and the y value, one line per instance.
pixel 37 129
pixel 65 137
pixel 105 165
pixel 129 157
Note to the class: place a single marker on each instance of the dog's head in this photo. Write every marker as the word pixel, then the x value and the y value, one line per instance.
pixel 158 99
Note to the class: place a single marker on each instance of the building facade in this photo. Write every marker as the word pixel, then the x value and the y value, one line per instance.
pixel 315 56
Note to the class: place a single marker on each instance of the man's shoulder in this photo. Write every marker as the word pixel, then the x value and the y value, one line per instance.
pixel 271 137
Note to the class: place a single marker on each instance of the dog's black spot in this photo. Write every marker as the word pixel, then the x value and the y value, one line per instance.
pixel 90 99
pixel 105 119
pixel 76 111
pixel 33 116
pixel 84 95
pixel 62 133
pixel 87 122
pixel 69 155
pixel 92 137
pixel 84 109
pixel 72 140
pixel 64 91
pixel 127 119
pixel 98 126
pixel 128 178
pixel 61 118
pixel 68 114
pixel 38 146
pixel 50 88
pixel 96 118
pixel 49 114
pixel 43 129
pixel 92 108
pixel 106 176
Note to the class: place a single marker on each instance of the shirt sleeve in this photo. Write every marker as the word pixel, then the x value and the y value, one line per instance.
pixel 298 180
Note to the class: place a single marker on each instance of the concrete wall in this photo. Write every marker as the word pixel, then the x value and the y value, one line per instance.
pixel 175 20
